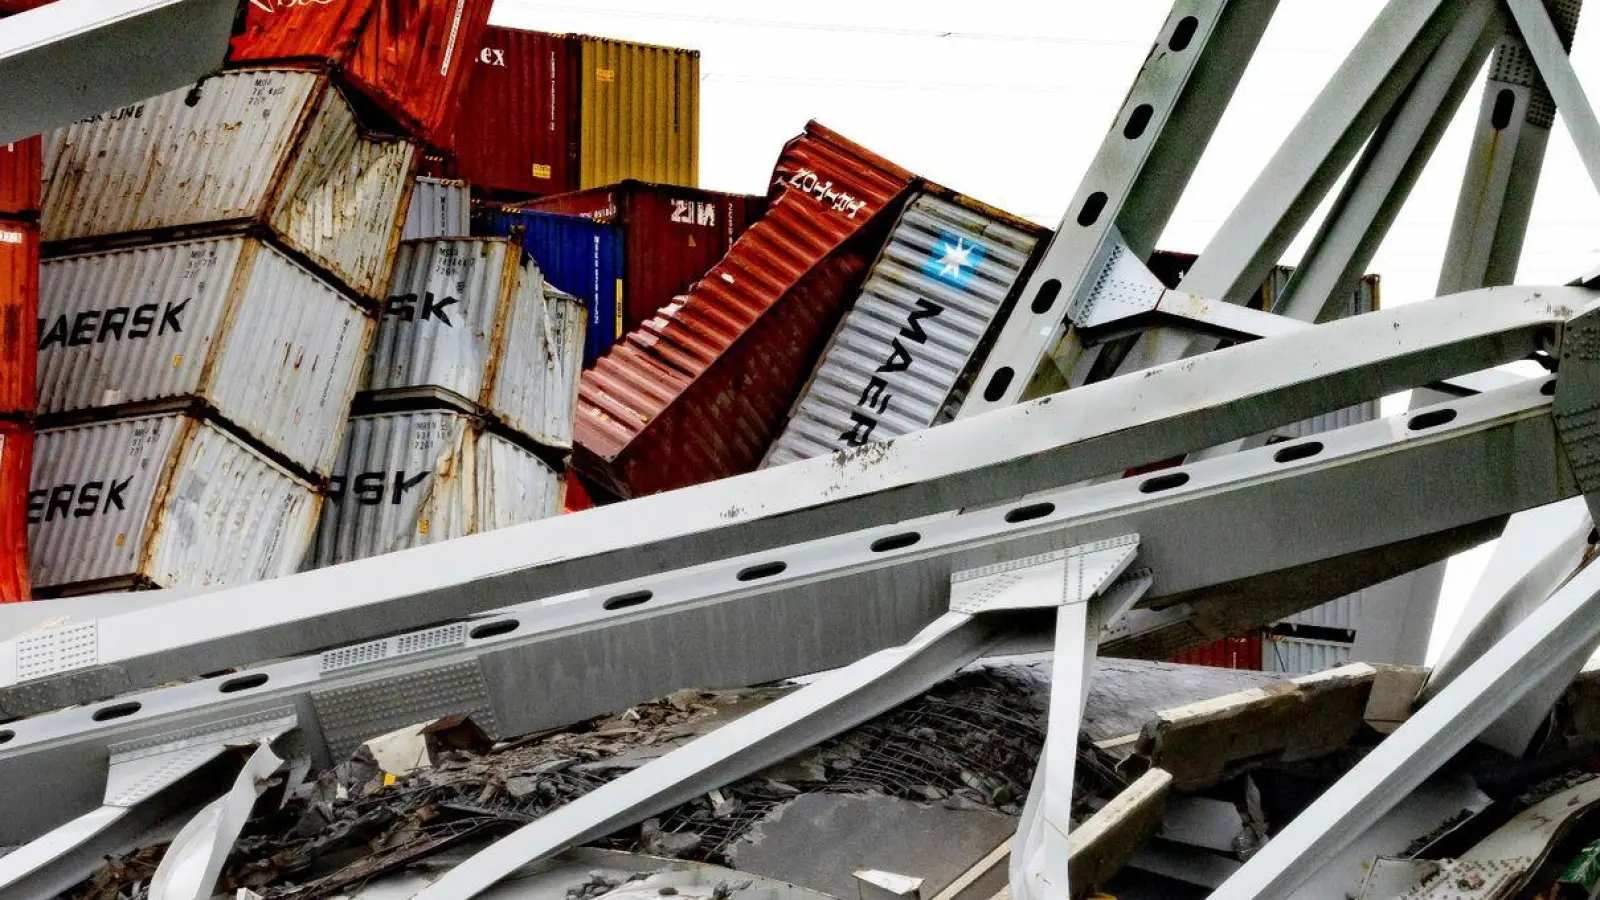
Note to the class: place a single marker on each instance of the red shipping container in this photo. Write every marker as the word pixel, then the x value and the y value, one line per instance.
pixel 516 129
pixel 16 468
pixel 407 56
pixel 698 392
pixel 672 235
pixel 7 7
pixel 1243 652
pixel 19 315
pixel 20 174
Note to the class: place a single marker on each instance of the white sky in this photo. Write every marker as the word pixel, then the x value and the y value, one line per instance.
pixel 1007 101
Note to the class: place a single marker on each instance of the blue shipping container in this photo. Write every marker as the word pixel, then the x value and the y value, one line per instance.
pixel 577 255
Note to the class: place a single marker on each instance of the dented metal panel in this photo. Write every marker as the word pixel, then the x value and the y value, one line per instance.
pixel 271 347
pixel 440 208
pixel 927 303
pixel 1303 656
pixel 168 500
pixel 472 318
pixel 267 146
pixel 411 478
pixel 639 113
pixel 579 256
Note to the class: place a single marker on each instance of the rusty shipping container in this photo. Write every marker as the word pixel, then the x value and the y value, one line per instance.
pixel 1242 652
pixel 671 235
pixel 19 304
pixel 16 464
pixel 164 500
pixel 639 114
pixel 409 57
pixel 516 129
pixel 406 479
pixel 20 174
pixel 938 287
pixel 269 147
pixel 472 321
pixel 230 322
pixel 440 208
pixel 699 391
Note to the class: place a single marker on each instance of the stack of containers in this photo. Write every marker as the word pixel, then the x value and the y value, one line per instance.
pixel 699 391
pixel 466 421
pixel 19 304
pixel 215 259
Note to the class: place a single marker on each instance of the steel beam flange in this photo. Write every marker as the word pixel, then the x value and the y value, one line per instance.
pixel 1081 572
pixel 1577 402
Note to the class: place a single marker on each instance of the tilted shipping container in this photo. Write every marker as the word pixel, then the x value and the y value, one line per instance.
pixel 16 464
pixel 20 174
pixel 578 256
pixel 409 58
pixel 639 115
pixel 949 268
pixel 516 129
pixel 19 305
pixel 274 147
pixel 471 320
pixel 228 321
pixel 672 235
pixel 440 208
pixel 165 501
pixel 406 479
pixel 699 392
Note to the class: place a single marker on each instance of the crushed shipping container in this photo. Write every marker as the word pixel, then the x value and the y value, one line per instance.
pixel 938 287
pixel 639 114
pixel 699 392
pixel 278 147
pixel 20 174
pixel 228 321
pixel 16 464
pixel 671 235
pixel 577 255
pixel 516 129
pixel 409 58
pixel 406 479
pixel 19 304
pixel 472 322
pixel 164 501
pixel 440 208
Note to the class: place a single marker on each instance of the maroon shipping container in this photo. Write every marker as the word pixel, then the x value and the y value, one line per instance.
pixel 20 175
pixel 698 392
pixel 19 317
pixel 516 131
pixel 1243 652
pixel 671 235
pixel 7 7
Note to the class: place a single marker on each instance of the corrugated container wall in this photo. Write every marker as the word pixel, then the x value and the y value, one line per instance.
pixel 470 318
pixel 744 337
pixel 1242 652
pixel 413 478
pixel 931 297
pixel 440 208
pixel 409 58
pixel 275 146
pixel 516 130
pixel 1302 656
pixel 20 174
pixel 166 501
pixel 19 305
pixel 578 256
pixel 271 347
pixel 640 114
pixel 16 465
pixel 673 235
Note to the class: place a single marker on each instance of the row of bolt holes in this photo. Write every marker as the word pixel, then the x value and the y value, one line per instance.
pixel 1153 485
pixel 1093 206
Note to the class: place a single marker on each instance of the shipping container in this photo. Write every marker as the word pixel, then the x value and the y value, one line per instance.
pixel 471 321
pixel 9 7
pixel 165 501
pixel 950 266
pixel 578 256
pixel 1303 656
pixel 440 208
pixel 744 338
pixel 16 463
pixel 516 129
pixel 639 114
pixel 267 146
pixel 19 304
pixel 1342 614
pixel 1242 652
pixel 671 235
pixel 406 479
pixel 409 58
pixel 20 174
pixel 228 321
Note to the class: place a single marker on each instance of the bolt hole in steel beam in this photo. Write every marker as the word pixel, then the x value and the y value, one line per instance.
pixel 1046 298
pixel 494 629
pixel 1431 419
pixel 1092 207
pixel 998 382
pixel 895 542
pixel 6 735
pixel 1183 34
pixel 245 683
pixel 1138 121
pixel 765 570
pixel 1505 103
pixel 623 601
pixel 1163 483
pixel 1298 452
pixel 1029 513
pixel 1548 388
pixel 117 711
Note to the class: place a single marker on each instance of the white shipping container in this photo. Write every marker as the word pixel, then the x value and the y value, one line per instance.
pixel 894 361
pixel 440 208
pixel 405 479
pixel 164 500
pixel 273 348
pixel 1302 656
pixel 272 146
pixel 473 319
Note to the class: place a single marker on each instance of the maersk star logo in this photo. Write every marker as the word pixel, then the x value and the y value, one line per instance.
pixel 954 260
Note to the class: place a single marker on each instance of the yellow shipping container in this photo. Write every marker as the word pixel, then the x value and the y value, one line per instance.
pixel 640 114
